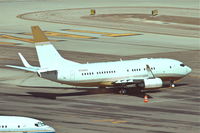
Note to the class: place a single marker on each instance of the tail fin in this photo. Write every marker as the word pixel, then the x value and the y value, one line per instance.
pixel 48 56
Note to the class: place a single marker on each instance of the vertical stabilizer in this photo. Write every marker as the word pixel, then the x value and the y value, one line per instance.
pixel 38 35
pixel 48 56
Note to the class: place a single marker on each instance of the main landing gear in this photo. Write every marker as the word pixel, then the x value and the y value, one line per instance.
pixel 123 91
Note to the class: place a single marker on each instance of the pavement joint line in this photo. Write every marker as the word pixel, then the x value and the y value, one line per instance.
pixel 173 100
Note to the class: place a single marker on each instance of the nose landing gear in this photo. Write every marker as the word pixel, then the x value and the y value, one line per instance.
pixel 172 85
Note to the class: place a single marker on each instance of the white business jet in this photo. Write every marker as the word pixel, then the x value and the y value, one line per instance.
pixel 145 73
pixel 16 124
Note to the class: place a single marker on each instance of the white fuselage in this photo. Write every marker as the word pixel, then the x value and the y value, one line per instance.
pixel 16 124
pixel 104 74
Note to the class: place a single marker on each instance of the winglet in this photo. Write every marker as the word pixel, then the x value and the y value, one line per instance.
pixel 38 35
pixel 150 73
pixel 26 64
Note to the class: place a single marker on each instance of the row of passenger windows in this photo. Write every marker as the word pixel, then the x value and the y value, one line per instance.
pixel 5 126
pixel 103 72
pixel 107 72
pixel 133 70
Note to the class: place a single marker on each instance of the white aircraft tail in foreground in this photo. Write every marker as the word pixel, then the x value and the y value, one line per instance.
pixel 145 73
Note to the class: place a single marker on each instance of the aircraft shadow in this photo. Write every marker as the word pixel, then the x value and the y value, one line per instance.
pixel 89 91
pixel 85 92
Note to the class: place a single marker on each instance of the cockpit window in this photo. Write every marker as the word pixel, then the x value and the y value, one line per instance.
pixel 182 65
pixel 39 124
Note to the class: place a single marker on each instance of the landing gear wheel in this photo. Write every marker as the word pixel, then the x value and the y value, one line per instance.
pixel 122 91
pixel 172 85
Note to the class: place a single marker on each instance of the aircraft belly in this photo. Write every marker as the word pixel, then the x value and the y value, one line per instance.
pixel 168 77
pixel 109 82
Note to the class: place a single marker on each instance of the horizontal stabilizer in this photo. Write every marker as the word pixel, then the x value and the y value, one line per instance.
pixel 30 69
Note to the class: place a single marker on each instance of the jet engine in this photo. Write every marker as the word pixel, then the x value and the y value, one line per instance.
pixel 151 83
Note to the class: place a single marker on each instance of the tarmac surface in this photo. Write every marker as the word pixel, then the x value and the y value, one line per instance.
pixel 120 29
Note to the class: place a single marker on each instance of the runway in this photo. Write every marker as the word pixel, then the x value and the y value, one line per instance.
pixel 83 38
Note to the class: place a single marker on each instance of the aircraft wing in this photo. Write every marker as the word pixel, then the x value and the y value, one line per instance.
pixel 136 80
pixel 127 81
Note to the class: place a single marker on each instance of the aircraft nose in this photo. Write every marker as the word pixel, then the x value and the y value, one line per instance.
pixel 52 130
pixel 188 70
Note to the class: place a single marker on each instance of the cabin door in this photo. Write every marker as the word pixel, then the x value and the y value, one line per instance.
pixel 72 75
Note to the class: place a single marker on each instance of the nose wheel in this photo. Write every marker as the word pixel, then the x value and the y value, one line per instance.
pixel 172 85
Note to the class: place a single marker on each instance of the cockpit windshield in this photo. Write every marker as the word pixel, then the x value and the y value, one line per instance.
pixel 182 65
pixel 39 124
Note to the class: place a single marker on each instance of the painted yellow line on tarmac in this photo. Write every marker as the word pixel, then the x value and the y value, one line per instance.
pixel 103 33
pixel 104 120
pixel 21 39
pixel 120 35
pixel 8 43
pixel 59 34
pixel 87 31
pixel 118 122
pixel 111 121
pixel 17 38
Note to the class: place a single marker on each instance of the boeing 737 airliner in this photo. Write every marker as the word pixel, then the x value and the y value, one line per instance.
pixel 16 124
pixel 145 73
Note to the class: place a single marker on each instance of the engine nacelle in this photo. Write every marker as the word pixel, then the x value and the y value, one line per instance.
pixel 153 83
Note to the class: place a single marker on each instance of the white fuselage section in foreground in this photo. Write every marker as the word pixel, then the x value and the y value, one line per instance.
pixel 16 124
